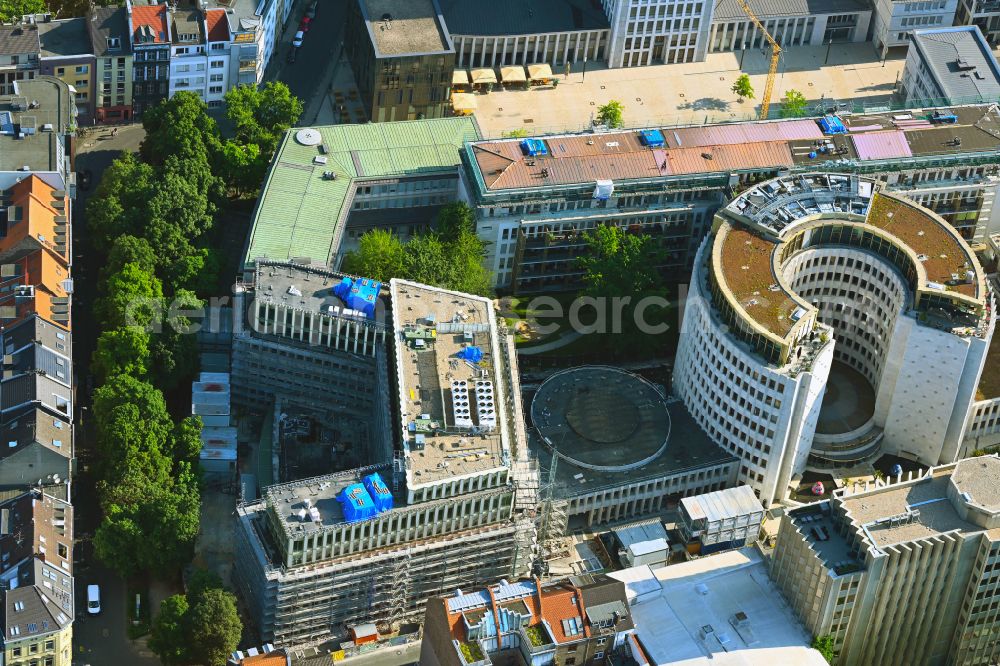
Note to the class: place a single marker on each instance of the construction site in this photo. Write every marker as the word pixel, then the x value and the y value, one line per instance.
pixel 401 461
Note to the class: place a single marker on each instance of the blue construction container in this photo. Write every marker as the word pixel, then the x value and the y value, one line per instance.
pixel 360 295
pixel 832 125
pixel 378 491
pixel 652 138
pixel 358 504
pixel 534 147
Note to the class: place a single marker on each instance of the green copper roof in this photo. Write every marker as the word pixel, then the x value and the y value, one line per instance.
pixel 298 212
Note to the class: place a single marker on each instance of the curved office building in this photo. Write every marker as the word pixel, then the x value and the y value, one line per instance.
pixel 828 321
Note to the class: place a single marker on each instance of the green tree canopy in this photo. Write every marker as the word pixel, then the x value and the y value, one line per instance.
pixel 379 256
pixel 793 104
pixel 129 249
pixel 453 219
pixel 121 350
pixel 260 115
pixel 13 10
pixel 167 638
pixel 243 166
pixel 742 88
pixel 118 206
pixel 213 627
pixel 611 114
pixel 179 127
pixel 134 297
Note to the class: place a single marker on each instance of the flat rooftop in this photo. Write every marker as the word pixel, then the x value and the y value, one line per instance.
pixel 688 449
pixel 980 478
pixel 300 214
pixel 730 10
pixel 722 504
pixel 582 159
pixel 305 287
pixel 929 496
pixel 960 60
pixel 729 599
pixel 42 150
pixel 521 17
pixel 288 499
pixel 403 27
pixel 447 323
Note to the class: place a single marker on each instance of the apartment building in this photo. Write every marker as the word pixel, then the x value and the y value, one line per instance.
pixel 582 620
pixel 20 54
pixel 432 508
pixel 894 20
pixel 200 54
pixel 982 13
pixel 113 69
pixel 150 41
pixel 794 23
pixel 900 573
pixel 37 577
pixel 402 56
pixel 650 32
pixel 66 54
pixel 952 65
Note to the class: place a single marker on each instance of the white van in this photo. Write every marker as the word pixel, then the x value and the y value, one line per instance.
pixel 93 600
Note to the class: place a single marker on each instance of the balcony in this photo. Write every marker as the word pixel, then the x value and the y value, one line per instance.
pixel 248 65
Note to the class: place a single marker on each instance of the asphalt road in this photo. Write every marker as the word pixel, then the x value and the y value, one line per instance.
pixel 97 640
pixel 309 76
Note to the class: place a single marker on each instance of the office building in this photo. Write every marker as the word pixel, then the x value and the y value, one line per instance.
pixel 430 506
pixel 982 13
pixel 37 577
pixel 582 620
pixel 402 56
pixel 559 33
pixel 949 66
pixel 790 23
pixel 818 281
pixel 651 32
pixel 720 520
pixel 719 610
pixel 901 573
pixel 894 20
pixel 112 48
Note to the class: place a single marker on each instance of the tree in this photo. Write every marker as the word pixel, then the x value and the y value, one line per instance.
pixel 185 440
pixel 133 297
pixel 278 109
pixel 468 274
pixel 793 104
pixel 379 256
pixel 13 10
pixel 426 260
pixel 610 114
pixel 167 638
pixel 519 133
pixel 201 581
pixel 118 206
pixel 242 166
pixel 213 627
pixel 179 127
pixel 261 115
pixel 453 219
pixel 121 350
pixel 129 249
pixel 742 88
pixel 824 645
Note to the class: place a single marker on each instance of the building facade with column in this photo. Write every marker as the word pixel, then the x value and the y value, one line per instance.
pixel 791 23
pixel 983 13
pixel 558 32
pixel 894 20
pixel 651 32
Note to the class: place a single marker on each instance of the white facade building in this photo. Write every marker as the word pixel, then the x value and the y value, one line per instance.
pixel 802 272
pixel 895 19
pixel 791 23
pixel 650 32
pixel 200 53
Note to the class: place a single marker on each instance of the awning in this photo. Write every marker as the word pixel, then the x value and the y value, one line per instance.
pixel 539 71
pixel 460 77
pixel 463 102
pixel 513 74
pixel 483 75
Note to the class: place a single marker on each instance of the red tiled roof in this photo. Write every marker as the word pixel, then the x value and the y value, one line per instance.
pixel 218 25
pixel 557 606
pixel 153 16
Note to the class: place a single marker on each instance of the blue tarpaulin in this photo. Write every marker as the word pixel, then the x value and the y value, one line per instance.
pixel 471 353
pixel 358 504
pixel 651 138
pixel 378 491
pixel 832 125
pixel 360 295
pixel 533 147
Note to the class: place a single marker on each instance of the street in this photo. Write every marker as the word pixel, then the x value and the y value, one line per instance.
pixel 309 76
pixel 100 640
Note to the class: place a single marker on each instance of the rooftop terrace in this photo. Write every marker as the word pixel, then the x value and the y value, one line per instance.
pixel 401 27
pixel 445 431
pixel 300 212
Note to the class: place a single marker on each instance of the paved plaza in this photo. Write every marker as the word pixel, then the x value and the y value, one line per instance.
pixel 691 93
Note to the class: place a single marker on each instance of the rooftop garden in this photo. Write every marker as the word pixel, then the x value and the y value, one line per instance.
pixel 471 652
pixel 537 636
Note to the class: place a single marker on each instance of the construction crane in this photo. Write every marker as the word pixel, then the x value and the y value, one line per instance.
pixel 765 100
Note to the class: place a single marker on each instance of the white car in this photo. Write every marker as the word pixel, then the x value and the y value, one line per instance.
pixel 297 42
pixel 93 600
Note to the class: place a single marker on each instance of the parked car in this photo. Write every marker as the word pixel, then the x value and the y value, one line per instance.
pixel 304 26
pixel 93 600
pixel 311 12
pixel 297 42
